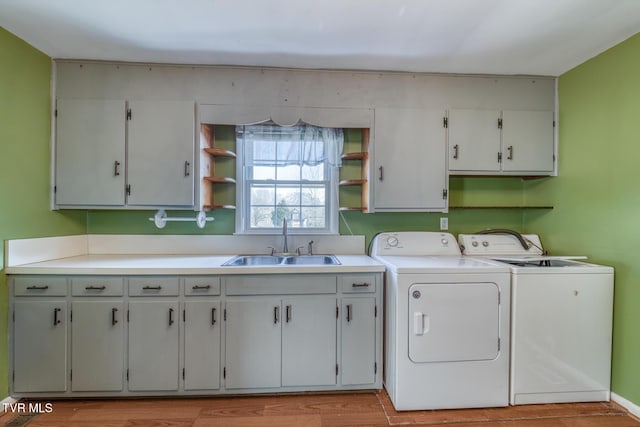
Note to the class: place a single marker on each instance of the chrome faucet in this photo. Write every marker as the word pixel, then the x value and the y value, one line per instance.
pixel 285 246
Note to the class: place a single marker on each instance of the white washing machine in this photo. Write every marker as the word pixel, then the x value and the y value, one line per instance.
pixel 446 324
pixel 561 320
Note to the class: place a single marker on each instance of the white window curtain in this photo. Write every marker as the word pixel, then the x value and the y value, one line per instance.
pixel 299 144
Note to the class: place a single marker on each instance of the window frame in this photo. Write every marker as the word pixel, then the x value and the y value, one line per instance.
pixel 243 197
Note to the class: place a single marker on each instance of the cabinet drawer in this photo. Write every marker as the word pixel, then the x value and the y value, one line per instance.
pixel 206 285
pixel 97 286
pixel 154 286
pixel 269 284
pixel 358 283
pixel 40 286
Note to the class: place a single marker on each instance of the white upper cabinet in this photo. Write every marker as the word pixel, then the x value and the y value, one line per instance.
pixel 494 142
pixel 527 141
pixel 474 140
pixel 160 153
pixel 110 154
pixel 90 152
pixel 410 160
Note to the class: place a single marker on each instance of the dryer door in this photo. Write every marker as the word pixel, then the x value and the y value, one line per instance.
pixel 453 322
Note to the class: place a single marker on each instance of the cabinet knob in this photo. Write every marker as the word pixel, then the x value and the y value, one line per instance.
pixel 456 151
pixel 381 170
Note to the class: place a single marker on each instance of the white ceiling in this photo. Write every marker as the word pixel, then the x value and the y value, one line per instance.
pixel 544 37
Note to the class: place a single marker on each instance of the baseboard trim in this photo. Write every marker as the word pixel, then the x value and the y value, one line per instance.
pixel 626 404
pixel 5 404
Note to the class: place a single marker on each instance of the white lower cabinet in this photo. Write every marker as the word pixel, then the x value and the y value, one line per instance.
pixel 202 322
pixel 359 365
pixel 168 335
pixel 252 344
pixel 40 346
pixel 97 346
pixel 153 345
pixel 309 341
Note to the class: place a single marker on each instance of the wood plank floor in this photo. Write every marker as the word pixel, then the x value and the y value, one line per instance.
pixel 315 410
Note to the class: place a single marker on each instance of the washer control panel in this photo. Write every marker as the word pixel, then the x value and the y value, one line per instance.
pixel 415 243
pixel 499 244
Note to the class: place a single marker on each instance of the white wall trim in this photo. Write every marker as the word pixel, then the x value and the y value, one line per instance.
pixel 626 404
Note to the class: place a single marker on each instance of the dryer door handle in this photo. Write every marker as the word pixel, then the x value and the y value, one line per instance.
pixel 420 323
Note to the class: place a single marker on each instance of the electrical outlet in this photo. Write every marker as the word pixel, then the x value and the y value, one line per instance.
pixel 444 223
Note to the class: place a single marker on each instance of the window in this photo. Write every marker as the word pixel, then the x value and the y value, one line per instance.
pixel 288 173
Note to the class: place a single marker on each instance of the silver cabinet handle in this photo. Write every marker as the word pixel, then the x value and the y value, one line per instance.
pixel 95 288
pixel 456 151
pixel 276 314
pixel 349 312
pixel 213 316
pixel 510 150
pixel 151 288
pixel 116 168
pixel 288 313
pixel 186 168
pixel 359 285
pixel 113 316
pixel 56 321
pixel 171 322
pixel 196 287
pixel 37 288
pixel 381 176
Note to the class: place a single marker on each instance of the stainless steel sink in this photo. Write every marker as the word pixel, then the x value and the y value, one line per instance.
pixel 311 260
pixel 258 260
pixel 245 260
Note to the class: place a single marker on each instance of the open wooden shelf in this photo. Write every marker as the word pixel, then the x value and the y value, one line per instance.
pixel 353 208
pixel 219 152
pixel 363 155
pixel 502 207
pixel 220 179
pixel 352 182
pixel 212 207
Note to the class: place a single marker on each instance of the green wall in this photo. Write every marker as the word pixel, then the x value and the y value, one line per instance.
pixel 596 194
pixel 25 74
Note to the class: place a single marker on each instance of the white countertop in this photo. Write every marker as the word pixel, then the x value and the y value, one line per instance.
pixel 136 264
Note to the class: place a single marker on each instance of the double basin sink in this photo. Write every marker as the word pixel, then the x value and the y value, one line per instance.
pixel 260 260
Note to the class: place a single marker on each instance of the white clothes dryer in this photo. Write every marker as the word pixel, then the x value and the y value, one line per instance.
pixel 446 323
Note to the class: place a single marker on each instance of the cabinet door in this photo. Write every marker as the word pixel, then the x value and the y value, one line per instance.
pixel 97 346
pixel 202 345
pixel 160 153
pixel 527 141
pixel 358 324
pixel 309 341
pixel 153 345
pixel 410 158
pixel 253 340
pixel 474 140
pixel 90 152
pixel 40 346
